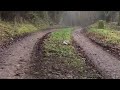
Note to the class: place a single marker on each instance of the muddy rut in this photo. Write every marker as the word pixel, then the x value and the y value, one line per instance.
pixel 13 59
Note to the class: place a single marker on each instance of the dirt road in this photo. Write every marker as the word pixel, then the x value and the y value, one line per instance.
pixel 15 60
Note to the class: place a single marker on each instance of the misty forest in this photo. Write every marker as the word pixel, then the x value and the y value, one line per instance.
pixel 59 44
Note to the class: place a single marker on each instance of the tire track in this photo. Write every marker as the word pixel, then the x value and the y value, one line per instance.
pixel 14 61
pixel 108 65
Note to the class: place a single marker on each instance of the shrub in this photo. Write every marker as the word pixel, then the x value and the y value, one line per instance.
pixel 101 24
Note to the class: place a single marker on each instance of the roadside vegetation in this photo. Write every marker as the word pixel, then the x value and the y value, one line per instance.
pixel 9 31
pixel 108 35
pixel 15 23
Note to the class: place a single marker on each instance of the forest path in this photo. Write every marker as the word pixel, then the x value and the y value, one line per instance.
pixel 14 60
pixel 108 65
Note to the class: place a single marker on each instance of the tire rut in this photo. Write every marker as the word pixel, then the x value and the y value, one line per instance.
pixel 14 61
pixel 108 65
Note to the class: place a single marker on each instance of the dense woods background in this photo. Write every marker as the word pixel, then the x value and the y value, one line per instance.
pixel 61 17
pixel 31 16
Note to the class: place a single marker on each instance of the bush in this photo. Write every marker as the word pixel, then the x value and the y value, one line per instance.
pixel 25 28
pixel 101 24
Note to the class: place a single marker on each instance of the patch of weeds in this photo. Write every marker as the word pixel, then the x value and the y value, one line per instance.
pixel 26 28
pixel 8 30
pixel 105 35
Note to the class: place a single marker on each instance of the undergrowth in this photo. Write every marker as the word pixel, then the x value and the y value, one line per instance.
pixel 8 30
pixel 107 36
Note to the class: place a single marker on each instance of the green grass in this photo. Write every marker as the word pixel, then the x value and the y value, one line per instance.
pixel 54 47
pixel 8 30
pixel 106 36
pixel 26 28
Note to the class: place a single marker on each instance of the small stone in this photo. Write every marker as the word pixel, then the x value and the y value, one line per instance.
pixel 69 76
pixel 107 50
pixel 18 65
pixel 36 72
pixel 11 38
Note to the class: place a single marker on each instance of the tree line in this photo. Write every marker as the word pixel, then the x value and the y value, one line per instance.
pixel 19 16
pixel 110 16
pixel 33 16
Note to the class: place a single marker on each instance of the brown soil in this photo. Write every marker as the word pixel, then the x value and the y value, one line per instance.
pixel 91 70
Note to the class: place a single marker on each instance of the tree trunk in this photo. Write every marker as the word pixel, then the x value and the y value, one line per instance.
pixel 119 19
